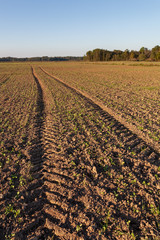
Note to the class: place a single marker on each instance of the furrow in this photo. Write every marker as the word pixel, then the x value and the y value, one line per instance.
pixel 89 169
pixel 34 195
pixel 99 105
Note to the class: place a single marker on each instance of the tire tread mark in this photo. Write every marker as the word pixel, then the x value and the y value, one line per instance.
pixel 155 146
pixel 34 195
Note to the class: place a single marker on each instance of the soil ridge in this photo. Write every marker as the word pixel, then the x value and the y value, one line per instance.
pixel 72 187
pixel 119 118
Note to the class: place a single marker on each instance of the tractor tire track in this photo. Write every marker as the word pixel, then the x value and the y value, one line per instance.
pixel 145 157
pixel 101 106
pixel 73 189
pixel 34 194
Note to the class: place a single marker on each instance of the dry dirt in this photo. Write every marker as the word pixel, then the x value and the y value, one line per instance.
pixel 93 177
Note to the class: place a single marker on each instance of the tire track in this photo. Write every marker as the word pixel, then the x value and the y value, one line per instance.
pixel 60 186
pixel 119 119
pixel 146 158
pixel 73 188
pixel 34 195
pixel 47 204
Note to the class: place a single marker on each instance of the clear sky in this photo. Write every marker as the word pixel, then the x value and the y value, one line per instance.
pixel 72 27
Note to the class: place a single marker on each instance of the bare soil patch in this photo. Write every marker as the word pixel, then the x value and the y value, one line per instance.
pixel 92 176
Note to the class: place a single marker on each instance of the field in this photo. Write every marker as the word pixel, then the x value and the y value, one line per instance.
pixel 80 147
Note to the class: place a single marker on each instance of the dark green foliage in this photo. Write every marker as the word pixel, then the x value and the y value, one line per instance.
pixel 144 54
pixel 37 59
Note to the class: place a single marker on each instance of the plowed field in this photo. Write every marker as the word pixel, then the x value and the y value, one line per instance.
pixel 76 161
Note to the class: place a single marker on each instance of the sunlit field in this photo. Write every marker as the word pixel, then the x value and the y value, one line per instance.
pixel 80 145
pixel 131 90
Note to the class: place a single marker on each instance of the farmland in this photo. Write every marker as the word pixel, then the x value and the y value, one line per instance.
pixel 129 90
pixel 80 151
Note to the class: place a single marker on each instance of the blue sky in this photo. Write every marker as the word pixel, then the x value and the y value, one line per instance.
pixel 70 27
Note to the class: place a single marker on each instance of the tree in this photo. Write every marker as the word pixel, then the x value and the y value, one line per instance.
pixel 143 50
pixel 97 54
pixel 155 53
pixel 144 54
pixel 89 56
pixel 125 55
pixel 142 57
pixel 133 56
pixel 117 55
pixel 108 56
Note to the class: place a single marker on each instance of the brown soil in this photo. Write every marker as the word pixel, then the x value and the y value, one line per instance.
pixel 119 118
pixel 94 176
pixel 131 92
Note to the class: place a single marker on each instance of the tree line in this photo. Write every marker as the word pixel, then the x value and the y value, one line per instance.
pixel 44 58
pixel 144 54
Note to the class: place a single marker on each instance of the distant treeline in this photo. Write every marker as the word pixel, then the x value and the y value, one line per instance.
pixel 144 54
pixel 45 58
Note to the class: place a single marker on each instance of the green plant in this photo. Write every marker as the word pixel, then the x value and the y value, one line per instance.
pixel 10 210
pixel 10 236
pixel 22 181
pixel 111 161
pixel 133 235
pixel 105 222
pixel 155 210
pixel 79 227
